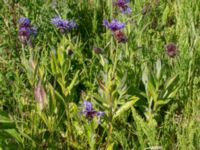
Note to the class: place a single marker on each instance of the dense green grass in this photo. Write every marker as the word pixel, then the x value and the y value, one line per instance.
pixel 151 101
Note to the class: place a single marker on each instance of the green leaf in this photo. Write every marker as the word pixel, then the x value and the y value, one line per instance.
pixel 110 146
pixel 6 122
pixel 28 137
pixel 165 15
pixel 171 87
pixel 101 99
pixel 54 67
pixel 145 75
pixel 158 69
pixel 152 91
pixel 14 134
pixel 69 88
pixel 173 93
pixel 61 83
pixel 126 106
pixel 171 82
pixel 44 118
pixel 60 56
pixel 52 99
pixel 160 103
pixel 58 96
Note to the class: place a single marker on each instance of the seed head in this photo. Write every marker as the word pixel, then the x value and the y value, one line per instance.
pixel 120 36
pixel 171 49
pixel 97 50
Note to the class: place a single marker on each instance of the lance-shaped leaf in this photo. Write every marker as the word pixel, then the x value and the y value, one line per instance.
pixel 160 103
pixel 126 106
pixel 52 99
pixel 6 122
pixel 7 125
pixel 171 86
pixel 54 64
pixel 145 75
pixel 158 69
pixel 14 134
pixel 69 88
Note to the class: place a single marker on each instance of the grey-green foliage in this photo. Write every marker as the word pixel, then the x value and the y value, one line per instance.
pixel 150 100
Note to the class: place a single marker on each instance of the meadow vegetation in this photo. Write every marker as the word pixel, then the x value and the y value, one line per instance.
pixel 100 74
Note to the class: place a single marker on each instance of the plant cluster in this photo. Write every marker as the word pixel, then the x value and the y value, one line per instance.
pixel 99 74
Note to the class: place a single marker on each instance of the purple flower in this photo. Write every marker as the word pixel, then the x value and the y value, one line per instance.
pixel 88 111
pixel 24 22
pixel 87 106
pixel 24 34
pixel 114 25
pixel 171 49
pixel 25 31
pixel 62 24
pixel 123 6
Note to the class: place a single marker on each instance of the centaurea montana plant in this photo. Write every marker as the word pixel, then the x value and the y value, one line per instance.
pixel 26 30
pixel 24 22
pixel 63 25
pixel 122 5
pixel 89 112
pixel 116 26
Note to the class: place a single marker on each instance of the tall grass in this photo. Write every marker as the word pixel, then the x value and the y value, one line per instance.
pixel 150 100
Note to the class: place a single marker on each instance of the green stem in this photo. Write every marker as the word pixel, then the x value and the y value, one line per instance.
pixel 92 136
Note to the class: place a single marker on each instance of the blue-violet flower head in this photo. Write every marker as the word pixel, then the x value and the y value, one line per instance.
pixel 114 25
pixel 24 34
pixel 24 22
pixel 88 111
pixel 123 6
pixel 87 106
pixel 62 24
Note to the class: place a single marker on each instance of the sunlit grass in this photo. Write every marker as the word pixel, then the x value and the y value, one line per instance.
pixel 143 79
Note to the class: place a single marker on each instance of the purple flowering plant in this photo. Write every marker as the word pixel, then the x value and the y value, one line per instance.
pixel 89 112
pixel 24 34
pixel 114 25
pixel 62 24
pixel 26 30
pixel 123 6
pixel 24 22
